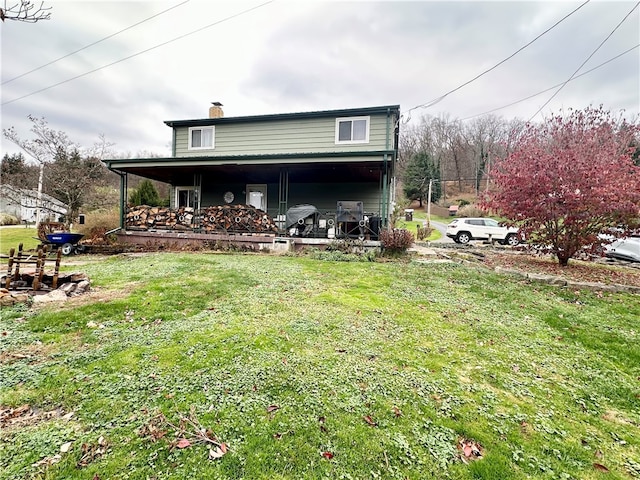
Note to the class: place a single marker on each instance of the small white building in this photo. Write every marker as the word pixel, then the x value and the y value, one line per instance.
pixel 22 203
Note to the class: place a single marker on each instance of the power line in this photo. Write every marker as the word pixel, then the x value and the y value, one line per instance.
pixel 94 43
pixel 442 97
pixel 235 15
pixel 583 63
pixel 551 88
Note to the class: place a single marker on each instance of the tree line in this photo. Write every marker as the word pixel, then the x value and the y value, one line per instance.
pixel 53 164
pixel 450 151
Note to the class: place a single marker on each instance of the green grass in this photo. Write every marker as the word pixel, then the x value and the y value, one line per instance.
pixel 12 236
pixel 419 217
pixel 385 365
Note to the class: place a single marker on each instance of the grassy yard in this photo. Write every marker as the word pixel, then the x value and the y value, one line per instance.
pixel 12 236
pixel 419 216
pixel 319 370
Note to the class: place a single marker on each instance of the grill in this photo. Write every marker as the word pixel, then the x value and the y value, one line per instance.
pixel 350 212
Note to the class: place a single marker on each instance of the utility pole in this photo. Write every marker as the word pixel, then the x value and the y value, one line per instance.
pixel 39 198
pixel 429 203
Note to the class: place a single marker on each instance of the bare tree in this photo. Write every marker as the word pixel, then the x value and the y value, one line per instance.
pixel 25 11
pixel 70 171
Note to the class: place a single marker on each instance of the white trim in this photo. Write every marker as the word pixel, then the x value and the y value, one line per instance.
pixel 213 138
pixel 193 195
pixel 257 187
pixel 367 120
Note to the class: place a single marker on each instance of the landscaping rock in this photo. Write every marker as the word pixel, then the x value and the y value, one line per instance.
pixel 509 271
pixel 8 299
pixel 82 287
pixel 548 279
pixel 53 296
pixel 596 286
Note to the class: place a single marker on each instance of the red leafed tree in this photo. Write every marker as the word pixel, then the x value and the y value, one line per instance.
pixel 569 179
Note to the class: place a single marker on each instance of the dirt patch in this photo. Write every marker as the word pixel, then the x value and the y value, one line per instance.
pixel 25 415
pixel 577 270
pixel 31 353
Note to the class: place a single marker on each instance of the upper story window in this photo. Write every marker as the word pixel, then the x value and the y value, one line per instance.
pixel 201 138
pixel 352 130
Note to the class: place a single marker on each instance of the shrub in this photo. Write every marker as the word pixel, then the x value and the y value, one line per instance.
pixel 424 232
pixel 6 219
pixel 346 245
pixel 98 222
pixel 471 210
pixel 396 240
pixel 338 256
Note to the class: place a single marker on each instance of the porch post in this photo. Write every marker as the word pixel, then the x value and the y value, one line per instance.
pixel 385 194
pixel 283 195
pixel 123 197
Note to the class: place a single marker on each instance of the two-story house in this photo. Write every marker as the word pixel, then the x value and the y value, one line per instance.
pixel 274 162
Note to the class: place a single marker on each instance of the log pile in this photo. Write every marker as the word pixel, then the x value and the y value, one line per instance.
pixel 214 219
pixel 144 217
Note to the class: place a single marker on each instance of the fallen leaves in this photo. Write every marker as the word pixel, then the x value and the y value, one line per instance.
pixel 65 447
pixel 369 420
pixel 217 452
pixel 182 443
pixel 26 415
pixel 187 433
pixel 92 451
pixel 327 455
pixel 9 414
pixel 600 467
pixel 469 450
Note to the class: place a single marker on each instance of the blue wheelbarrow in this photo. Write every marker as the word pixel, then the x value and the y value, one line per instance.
pixel 68 242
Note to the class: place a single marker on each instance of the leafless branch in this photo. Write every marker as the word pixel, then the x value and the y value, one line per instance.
pixel 23 11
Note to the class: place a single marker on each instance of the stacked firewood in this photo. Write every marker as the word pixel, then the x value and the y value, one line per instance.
pixel 236 218
pixel 144 217
pixel 223 218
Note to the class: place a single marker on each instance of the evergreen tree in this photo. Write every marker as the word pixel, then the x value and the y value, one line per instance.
pixel 145 194
pixel 420 169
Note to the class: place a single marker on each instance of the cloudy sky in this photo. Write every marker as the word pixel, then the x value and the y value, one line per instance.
pixel 260 57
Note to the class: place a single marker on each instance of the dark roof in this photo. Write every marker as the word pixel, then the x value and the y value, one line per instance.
pixel 287 116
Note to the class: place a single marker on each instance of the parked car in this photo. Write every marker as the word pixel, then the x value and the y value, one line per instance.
pixel 463 230
pixel 627 248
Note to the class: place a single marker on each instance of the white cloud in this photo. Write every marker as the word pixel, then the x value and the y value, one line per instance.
pixel 312 55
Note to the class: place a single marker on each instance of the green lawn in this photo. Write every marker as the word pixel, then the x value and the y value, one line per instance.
pixel 11 237
pixel 419 217
pixel 310 369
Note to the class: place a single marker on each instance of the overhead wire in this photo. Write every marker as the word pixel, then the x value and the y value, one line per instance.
pixel 583 63
pixel 180 37
pixel 442 97
pixel 551 88
pixel 94 43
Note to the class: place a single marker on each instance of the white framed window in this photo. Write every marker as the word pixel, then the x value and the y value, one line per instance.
pixel 257 196
pixel 352 130
pixel 187 197
pixel 201 138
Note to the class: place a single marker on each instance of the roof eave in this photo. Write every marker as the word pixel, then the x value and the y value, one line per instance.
pixel 380 110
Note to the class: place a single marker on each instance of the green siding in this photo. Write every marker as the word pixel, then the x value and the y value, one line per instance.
pixel 317 194
pixel 285 136
pixel 326 199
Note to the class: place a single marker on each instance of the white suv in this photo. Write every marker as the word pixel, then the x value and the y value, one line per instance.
pixel 462 230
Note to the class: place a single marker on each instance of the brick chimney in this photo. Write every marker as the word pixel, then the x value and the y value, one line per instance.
pixel 215 111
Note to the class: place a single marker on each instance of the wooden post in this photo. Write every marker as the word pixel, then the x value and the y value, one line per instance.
pixel 16 275
pixel 54 284
pixel 9 267
pixel 37 277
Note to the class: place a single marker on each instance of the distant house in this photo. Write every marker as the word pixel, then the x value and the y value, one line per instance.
pixel 332 160
pixel 22 203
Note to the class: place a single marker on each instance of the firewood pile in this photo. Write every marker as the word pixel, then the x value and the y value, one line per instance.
pixel 214 219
